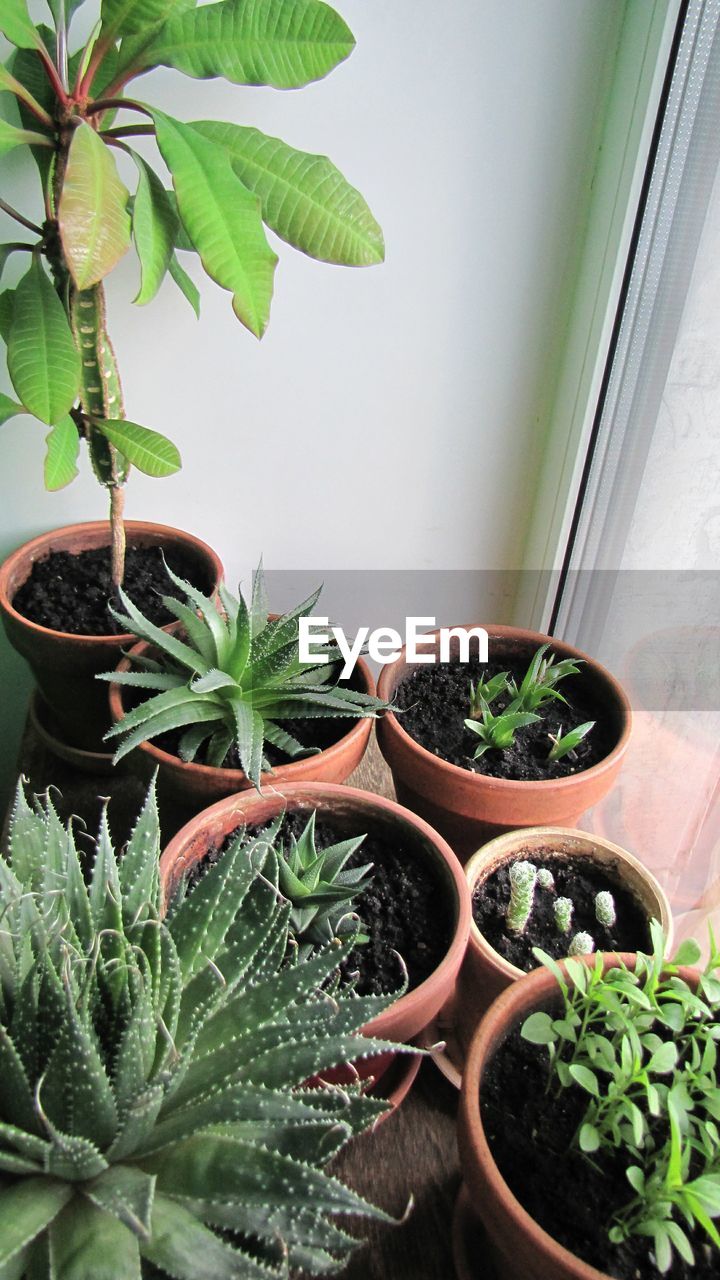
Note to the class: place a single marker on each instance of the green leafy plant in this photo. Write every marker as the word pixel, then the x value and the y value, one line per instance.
pixel 486 691
pixel 497 732
pixel 154 1115
pixel 233 678
pixel 564 744
pixel 523 876
pixel 643 1045
pixel 227 181
pixel 541 678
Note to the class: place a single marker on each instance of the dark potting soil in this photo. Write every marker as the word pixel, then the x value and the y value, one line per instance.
pixel 403 909
pixel 577 878
pixel 71 592
pixel 435 702
pixel 530 1131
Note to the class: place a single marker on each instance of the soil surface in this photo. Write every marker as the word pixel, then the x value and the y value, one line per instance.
pixel 435 702
pixel 529 1132
pixel 403 909
pixel 577 878
pixel 71 593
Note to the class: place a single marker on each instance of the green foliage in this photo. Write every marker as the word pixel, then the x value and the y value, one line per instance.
pixel 643 1046
pixel 486 691
pixel 321 888
pixel 523 876
pixel 231 679
pixel 541 678
pixel 153 1105
pixel 565 744
pixel 228 181
pixel 497 732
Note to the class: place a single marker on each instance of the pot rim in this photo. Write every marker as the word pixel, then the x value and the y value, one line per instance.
pixel 365 801
pixel 514 1004
pixel 391 726
pixel 492 855
pixel 360 730
pixel 56 536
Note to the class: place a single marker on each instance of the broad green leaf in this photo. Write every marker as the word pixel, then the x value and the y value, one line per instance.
pixel 9 408
pixel 16 24
pixel 130 17
pixel 64 8
pixel 87 1244
pixel 63 446
pixel 222 219
pixel 182 1247
pixel 185 284
pixel 538 1029
pixel 127 1193
pixel 10 137
pixel 688 953
pixel 151 452
pixel 93 217
pixel 29 71
pixel 270 42
pixel 304 198
pixel 26 1208
pixel 154 222
pixel 43 360
pixel 585 1078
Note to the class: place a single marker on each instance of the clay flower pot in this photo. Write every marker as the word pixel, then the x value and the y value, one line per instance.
pixel 185 789
pixel 485 974
pixel 406 1018
pixel 65 665
pixel 518 1245
pixel 469 808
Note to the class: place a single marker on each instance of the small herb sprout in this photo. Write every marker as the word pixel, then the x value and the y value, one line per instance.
pixel 486 691
pixel 605 909
pixel 564 746
pixel 563 909
pixel 498 732
pixel 545 878
pixel 540 680
pixel 321 889
pixel 582 945
pixel 522 892
pixel 643 1045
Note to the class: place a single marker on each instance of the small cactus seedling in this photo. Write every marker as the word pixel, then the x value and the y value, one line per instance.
pixel 545 878
pixel 523 876
pixel 563 910
pixel 321 889
pixel 581 945
pixel 605 909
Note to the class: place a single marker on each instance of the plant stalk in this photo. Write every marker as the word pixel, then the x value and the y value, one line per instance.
pixel 117 526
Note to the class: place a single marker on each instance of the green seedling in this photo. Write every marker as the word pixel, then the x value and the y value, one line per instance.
pixel 605 909
pixel 581 945
pixel 497 733
pixel 541 678
pixel 523 876
pixel 563 746
pixel 321 889
pixel 545 878
pixel 563 911
pixel 485 692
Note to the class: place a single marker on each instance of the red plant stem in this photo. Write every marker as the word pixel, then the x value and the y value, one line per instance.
pixel 116 104
pixel 7 208
pixel 128 131
pixel 101 48
pixel 53 77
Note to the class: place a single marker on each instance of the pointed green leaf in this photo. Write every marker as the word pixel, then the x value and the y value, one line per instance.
pixel 151 452
pixel 185 284
pixel 182 1247
pixel 130 17
pixel 270 42
pixel 92 214
pixel 15 23
pixel 87 1244
pixel 139 875
pixel 26 1209
pixel 126 1193
pixel 11 137
pixel 222 219
pixel 76 1093
pixel 7 305
pixel 304 198
pixel 9 408
pixel 154 223
pixel 63 446
pixel 43 360
pixel 201 922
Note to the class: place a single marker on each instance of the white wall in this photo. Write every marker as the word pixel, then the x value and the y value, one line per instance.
pixel 391 417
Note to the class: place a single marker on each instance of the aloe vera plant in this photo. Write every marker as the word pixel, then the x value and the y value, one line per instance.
pixel 228 180
pixel 153 1113
pixel 233 678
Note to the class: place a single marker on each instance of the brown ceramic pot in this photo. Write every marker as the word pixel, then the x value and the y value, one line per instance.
pixel 354 811
pixel 485 973
pixel 469 808
pixel 65 665
pixel 519 1247
pixel 185 789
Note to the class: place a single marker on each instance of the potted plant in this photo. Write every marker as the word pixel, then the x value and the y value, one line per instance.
pixel 600 1077
pixel 553 888
pixel 227 182
pixel 153 1119
pixel 532 738
pixel 230 702
pixel 416 902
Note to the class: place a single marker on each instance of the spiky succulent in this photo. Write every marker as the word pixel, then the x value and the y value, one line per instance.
pixel 563 912
pixel 582 944
pixel 154 1115
pixel 545 878
pixel 234 678
pixel 523 876
pixel 605 912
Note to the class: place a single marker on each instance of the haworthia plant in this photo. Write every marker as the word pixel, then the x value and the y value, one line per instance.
pixel 234 678
pixel 228 183
pixel 155 1116
pixel 320 887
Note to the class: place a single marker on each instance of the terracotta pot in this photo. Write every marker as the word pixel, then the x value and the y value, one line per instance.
pixel 518 1245
pixel 356 811
pixel 185 789
pixel 469 808
pixel 485 973
pixel 65 665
